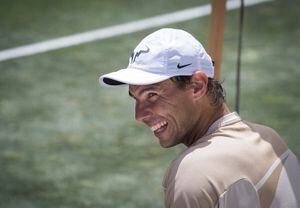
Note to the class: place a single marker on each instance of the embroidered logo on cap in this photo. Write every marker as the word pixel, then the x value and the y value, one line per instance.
pixel 134 55
pixel 182 66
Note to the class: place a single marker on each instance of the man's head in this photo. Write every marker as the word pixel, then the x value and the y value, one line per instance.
pixel 173 110
pixel 170 76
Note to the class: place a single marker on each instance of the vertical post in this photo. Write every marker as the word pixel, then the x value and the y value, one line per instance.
pixel 238 64
pixel 216 34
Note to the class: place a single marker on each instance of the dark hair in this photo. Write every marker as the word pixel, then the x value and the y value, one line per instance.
pixel 214 88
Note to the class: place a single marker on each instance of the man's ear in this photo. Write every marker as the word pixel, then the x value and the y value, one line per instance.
pixel 199 84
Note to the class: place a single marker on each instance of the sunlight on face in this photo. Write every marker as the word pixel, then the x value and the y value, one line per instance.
pixel 167 110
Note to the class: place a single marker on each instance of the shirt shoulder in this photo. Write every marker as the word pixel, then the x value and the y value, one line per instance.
pixel 269 135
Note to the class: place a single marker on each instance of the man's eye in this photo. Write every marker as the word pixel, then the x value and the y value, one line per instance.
pixel 152 94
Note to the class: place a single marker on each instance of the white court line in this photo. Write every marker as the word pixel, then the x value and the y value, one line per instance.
pixel 107 32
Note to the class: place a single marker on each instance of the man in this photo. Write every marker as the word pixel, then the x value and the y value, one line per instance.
pixel 228 162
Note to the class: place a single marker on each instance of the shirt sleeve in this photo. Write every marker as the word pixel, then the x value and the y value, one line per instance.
pixel 242 193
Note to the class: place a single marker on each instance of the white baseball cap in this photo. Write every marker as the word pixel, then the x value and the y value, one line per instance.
pixel 159 56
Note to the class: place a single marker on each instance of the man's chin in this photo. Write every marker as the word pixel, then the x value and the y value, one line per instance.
pixel 165 144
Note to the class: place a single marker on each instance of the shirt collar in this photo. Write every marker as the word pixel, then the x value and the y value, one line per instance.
pixel 223 121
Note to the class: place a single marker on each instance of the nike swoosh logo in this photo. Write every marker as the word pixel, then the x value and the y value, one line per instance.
pixel 182 66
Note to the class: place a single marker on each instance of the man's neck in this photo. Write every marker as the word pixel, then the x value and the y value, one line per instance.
pixel 206 119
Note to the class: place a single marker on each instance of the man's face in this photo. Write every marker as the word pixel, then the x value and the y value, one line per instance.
pixel 166 109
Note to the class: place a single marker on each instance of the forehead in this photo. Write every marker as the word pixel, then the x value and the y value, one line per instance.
pixel 135 89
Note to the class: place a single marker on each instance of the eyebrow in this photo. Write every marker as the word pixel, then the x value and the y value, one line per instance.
pixel 142 91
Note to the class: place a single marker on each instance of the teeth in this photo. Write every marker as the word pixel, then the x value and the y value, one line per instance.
pixel 159 125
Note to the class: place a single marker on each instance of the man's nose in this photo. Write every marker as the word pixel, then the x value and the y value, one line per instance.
pixel 142 111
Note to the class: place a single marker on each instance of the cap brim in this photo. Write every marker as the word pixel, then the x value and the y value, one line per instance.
pixel 130 76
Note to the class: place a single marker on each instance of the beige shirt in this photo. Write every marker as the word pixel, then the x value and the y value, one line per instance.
pixel 235 164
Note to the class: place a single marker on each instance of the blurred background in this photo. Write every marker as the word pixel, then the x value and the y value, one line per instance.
pixel 65 142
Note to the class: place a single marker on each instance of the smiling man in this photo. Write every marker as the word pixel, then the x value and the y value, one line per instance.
pixel 228 162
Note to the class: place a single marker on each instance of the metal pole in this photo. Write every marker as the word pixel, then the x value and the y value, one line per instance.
pixel 239 54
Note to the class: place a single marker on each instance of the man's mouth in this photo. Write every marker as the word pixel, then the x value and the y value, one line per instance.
pixel 159 127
